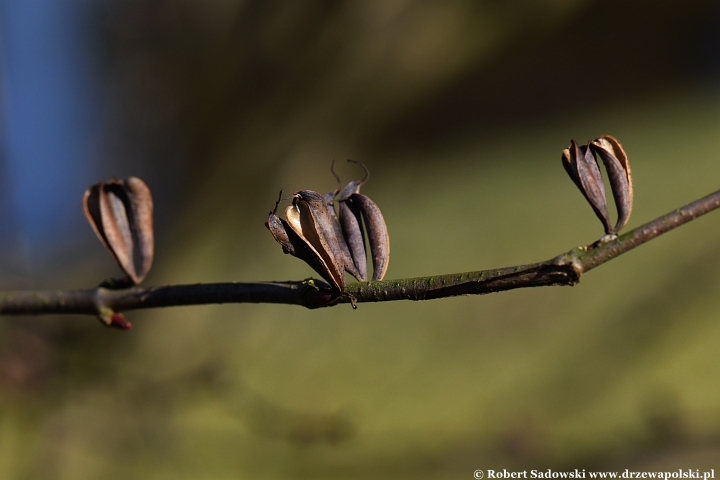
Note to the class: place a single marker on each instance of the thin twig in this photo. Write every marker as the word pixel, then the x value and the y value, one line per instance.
pixel 566 269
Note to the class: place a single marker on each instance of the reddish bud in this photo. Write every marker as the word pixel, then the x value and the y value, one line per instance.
pixel 117 320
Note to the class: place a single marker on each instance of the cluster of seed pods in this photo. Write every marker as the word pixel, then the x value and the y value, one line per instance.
pixel 581 164
pixel 333 244
pixel 120 213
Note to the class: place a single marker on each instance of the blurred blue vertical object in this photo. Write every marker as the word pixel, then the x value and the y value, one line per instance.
pixel 47 132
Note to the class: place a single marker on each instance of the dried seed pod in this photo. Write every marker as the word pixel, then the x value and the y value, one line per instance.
pixel 351 224
pixel 580 164
pixel 311 232
pixel 297 245
pixel 352 230
pixel 377 233
pixel 616 163
pixel 345 254
pixel 353 207
pixel 121 214
pixel 310 217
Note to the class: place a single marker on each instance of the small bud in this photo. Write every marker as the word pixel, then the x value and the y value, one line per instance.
pixel 121 214
pixel 113 319
pixel 120 322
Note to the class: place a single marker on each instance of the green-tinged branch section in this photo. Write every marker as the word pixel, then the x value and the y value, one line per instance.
pixel 565 269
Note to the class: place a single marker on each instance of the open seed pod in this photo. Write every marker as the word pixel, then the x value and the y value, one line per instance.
pixel 580 164
pixel 617 166
pixel 310 217
pixel 121 214
pixel 308 234
pixel 311 231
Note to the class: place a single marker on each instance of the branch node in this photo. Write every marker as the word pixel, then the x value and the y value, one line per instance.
pixel 572 259
pixel 317 294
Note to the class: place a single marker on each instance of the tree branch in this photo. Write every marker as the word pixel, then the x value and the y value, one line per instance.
pixel 565 269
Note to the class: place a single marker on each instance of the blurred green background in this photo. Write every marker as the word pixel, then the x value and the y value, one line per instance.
pixel 461 110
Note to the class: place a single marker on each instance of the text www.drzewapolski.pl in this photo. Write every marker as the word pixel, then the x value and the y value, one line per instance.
pixel 627 474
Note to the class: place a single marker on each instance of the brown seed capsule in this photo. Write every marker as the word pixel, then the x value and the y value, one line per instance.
pixel 378 236
pixel 310 217
pixel 312 233
pixel 121 214
pixel 297 245
pixel 580 164
pixel 356 209
pixel 619 175
pixel 347 258
pixel 352 228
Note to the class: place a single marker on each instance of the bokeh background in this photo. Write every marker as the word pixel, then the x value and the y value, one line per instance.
pixel 460 109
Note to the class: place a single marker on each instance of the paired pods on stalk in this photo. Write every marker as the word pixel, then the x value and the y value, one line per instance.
pixel 312 232
pixel 581 164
